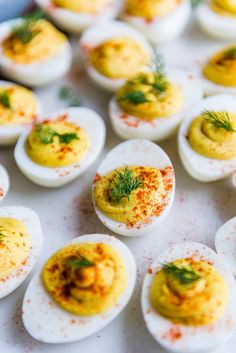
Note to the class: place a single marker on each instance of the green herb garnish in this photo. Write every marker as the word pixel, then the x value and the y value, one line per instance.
pixel 123 184
pixel 25 30
pixel 5 99
pixel 135 97
pixel 195 3
pixel 2 235
pixel 230 54
pixel 80 263
pixel 182 274
pixel 66 94
pixel 47 134
pixel 219 120
pixel 157 64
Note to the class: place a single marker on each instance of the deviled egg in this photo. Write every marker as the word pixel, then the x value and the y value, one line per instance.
pixel 218 18
pixel 152 104
pixel 225 243
pixel 113 52
pixel 134 188
pixel 18 107
pixel 4 182
pixel 188 299
pixel 159 21
pixel 55 151
pixel 219 72
pixel 76 15
pixel 207 139
pixel 21 241
pixel 32 51
pixel 81 289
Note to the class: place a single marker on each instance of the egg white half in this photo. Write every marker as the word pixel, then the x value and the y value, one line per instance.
pixel 198 166
pixel 128 126
pixel 47 322
pixel 4 182
pixel 190 339
pixel 94 127
pixel 225 243
pixel 139 153
pixel 33 226
pixel 38 73
pixel 163 28
pixel 96 35
pixel 214 24
pixel 10 133
pixel 77 22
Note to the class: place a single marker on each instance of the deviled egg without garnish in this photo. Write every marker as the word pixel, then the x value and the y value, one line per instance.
pixel 207 139
pixel 134 188
pixel 21 241
pixel 76 15
pixel 219 72
pixel 80 289
pixel 152 104
pixel 159 21
pixel 32 51
pixel 188 299
pixel 18 107
pixel 113 52
pixel 218 18
pixel 4 182
pixel 225 243
pixel 57 150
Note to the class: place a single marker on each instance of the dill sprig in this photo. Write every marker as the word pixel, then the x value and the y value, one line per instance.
pixel 135 97
pixel 123 184
pixel 5 99
pixel 80 262
pixel 218 119
pixel 182 274
pixel 47 134
pixel 157 64
pixel 195 3
pixel 25 30
pixel 230 54
pixel 2 235
pixel 68 95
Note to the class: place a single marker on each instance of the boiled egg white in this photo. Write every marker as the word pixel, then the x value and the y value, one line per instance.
pixel 47 322
pixel 37 73
pixel 185 339
pixel 129 126
pixel 163 28
pixel 33 227
pixel 98 34
pixel 9 133
pixel 93 126
pixel 4 182
pixel 225 243
pixel 138 152
pixel 198 166
pixel 215 24
pixel 76 22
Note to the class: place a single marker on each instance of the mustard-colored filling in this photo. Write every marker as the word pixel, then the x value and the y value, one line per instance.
pixel 89 290
pixel 82 6
pixel 198 303
pixel 224 7
pixel 150 9
pixel 119 57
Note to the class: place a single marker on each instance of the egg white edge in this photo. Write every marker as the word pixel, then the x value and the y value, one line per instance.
pixel 4 182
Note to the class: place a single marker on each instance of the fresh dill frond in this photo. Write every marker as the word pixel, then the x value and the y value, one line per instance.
pixel 123 184
pixel 135 97
pixel 5 99
pixel 230 54
pixel 218 119
pixel 2 235
pixel 157 64
pixel 195 3
pixel 25 30
pixel 182 274
pixel 46 135
pixel 80 262
pixel 68 95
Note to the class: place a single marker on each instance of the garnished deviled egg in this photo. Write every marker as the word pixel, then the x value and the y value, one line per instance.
pixel 219 72
pixel 33 51
pixel 113 52
pixel 218 18
pixel 207 139
pixel 134 188
pixel 21 241
pixel 225 242
pixel 152 104
pixel 80 289
pixel 159 21
pixel 188 299
pixel 55 151
pixel 76 15
pixel 4 182
pixel 18 107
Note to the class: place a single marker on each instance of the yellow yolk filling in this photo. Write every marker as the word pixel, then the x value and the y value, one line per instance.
pixel 150 9
pixel 82 6
pixel 224 7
